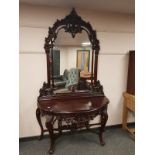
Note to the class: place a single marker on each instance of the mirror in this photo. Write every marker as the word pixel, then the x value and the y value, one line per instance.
pixel 72 59
pixel 71 49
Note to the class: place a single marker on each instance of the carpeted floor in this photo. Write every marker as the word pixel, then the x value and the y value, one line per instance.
pixel 118 142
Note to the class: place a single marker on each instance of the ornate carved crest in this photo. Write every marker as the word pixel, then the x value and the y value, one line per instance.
pixel 73 24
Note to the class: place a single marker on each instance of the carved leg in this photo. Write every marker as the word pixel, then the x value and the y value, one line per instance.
pixel 49 126
pixel 60 126
pixel 38 115
pixel 87 125
pixel 104 118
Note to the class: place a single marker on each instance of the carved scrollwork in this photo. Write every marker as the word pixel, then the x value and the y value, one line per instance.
pixel 71 122
pixel 72 24
pixel 45 90
pixel 80 120
pixel 98 88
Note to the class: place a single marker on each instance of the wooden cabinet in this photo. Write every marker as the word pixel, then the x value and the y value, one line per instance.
pixel 129 95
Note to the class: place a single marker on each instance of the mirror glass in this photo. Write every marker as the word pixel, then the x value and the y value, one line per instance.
pixel 71 60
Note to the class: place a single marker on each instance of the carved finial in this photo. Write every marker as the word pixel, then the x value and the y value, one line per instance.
pixel 73 11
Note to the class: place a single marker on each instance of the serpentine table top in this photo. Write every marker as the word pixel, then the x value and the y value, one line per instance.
pixel 71 106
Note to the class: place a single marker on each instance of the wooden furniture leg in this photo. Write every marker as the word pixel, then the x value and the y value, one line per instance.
pixel 104 118
pixel 38 115
pixel 128 105
pixel 60 126
pixel 125 115
pixel 49 126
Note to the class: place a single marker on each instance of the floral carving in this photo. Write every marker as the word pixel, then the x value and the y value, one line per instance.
pixel 72 24
pixel 45 90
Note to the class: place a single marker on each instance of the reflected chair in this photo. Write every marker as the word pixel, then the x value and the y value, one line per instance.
pixel 73 77
pixel 60 81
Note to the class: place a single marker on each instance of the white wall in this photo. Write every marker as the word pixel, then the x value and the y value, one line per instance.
pixel 68 56
pixel 116 35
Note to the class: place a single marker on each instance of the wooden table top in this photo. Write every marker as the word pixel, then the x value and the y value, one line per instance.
pixel 80 105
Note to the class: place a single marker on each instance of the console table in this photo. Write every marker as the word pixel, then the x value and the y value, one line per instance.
pixel 74 113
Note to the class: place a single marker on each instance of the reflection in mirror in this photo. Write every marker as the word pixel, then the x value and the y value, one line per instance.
pixel 71 61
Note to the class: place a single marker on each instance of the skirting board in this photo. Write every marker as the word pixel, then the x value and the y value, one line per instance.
pixel 24 139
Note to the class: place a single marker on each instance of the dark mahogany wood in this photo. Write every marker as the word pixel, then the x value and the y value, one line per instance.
pixel 72 105
pixel 74 110
pixel 38 115
pixel 72 24
pixel 104 118
pixel 75 113
pixel 49 126
pixel 131 73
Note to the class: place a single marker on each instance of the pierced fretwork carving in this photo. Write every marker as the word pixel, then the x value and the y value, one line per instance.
pixel 77 120
pixel 73 24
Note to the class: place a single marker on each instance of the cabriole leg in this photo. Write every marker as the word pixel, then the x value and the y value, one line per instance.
pixel 104 118
pixel 38 115
pixel 49 126
pixel 60 126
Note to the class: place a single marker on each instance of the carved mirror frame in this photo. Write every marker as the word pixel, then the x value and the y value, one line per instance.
pixel 72 24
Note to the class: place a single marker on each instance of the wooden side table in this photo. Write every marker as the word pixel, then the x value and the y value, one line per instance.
pixel 129 105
